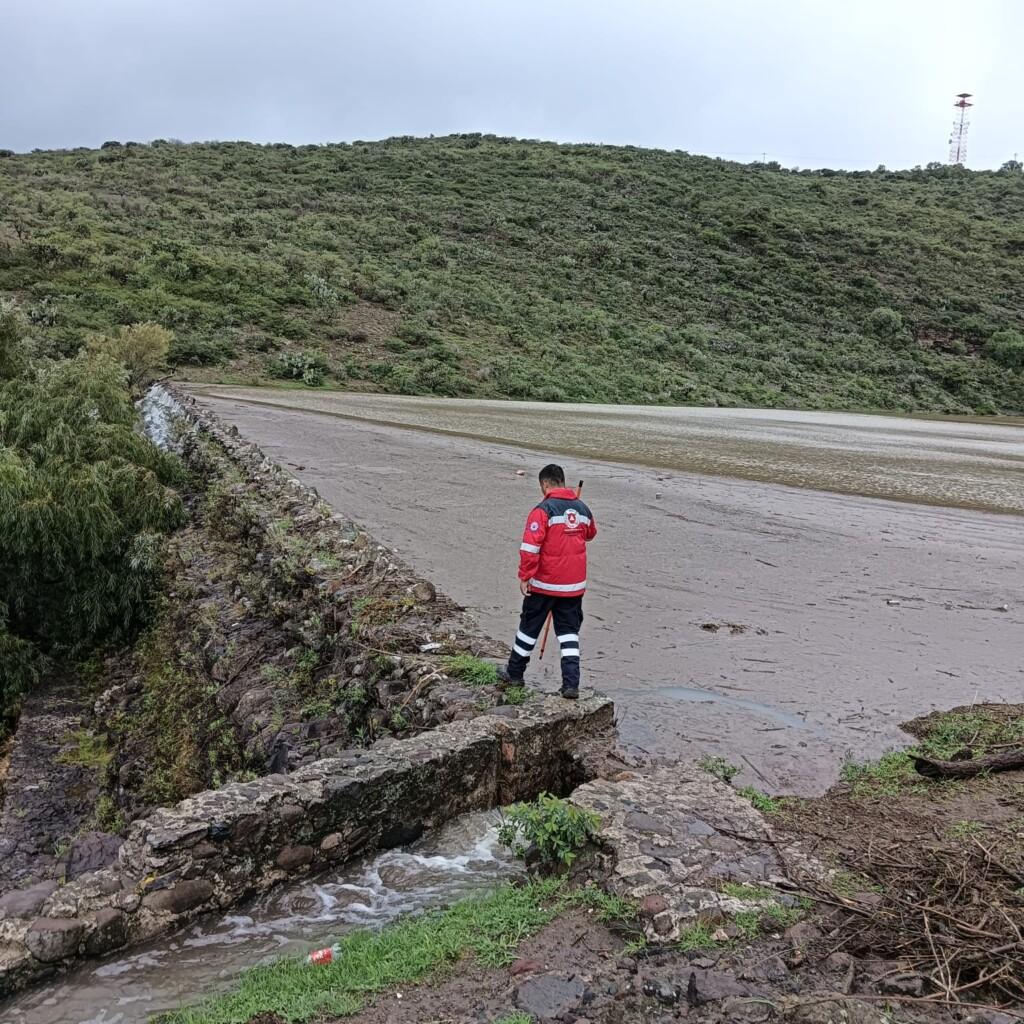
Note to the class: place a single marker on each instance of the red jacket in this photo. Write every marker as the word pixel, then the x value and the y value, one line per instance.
pixel 553 554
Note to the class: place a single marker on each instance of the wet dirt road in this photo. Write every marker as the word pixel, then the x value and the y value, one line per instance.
pixel 782 627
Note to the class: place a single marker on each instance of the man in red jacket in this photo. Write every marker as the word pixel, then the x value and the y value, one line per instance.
pixel 553 578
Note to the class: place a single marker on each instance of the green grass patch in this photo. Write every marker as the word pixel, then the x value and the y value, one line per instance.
pixel 965 829
pixel 975 729
pixel 720 768
pixel 519 1017
pixel 471 670
pixel 762 801
pixel 748 892
pixel 698 936
pixel 893 773
pixel 515 695
pixel 413 949
pixel 890 775
pixel 87 748
pixel 608 906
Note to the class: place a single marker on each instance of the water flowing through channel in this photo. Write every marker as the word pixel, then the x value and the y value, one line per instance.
pixel 461 858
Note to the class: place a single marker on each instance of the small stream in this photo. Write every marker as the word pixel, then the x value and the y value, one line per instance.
pixel 206 957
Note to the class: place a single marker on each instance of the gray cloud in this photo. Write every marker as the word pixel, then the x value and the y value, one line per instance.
pixel 807 82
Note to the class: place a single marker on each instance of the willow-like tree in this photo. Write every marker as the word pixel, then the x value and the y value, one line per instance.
pixel 85 501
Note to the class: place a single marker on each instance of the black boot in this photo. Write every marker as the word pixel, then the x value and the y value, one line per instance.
pixel 506 679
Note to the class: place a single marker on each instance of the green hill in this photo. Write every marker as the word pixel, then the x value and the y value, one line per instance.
pixel 474 265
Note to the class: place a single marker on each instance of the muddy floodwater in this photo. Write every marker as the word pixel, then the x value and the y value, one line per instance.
pixel 778 588
pixel 462 858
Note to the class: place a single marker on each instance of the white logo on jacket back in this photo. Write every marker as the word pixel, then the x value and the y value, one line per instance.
pixel 572 519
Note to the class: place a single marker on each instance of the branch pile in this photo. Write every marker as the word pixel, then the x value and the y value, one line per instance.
pixel 953 912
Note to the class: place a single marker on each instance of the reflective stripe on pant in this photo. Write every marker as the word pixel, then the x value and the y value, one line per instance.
pixel 567 617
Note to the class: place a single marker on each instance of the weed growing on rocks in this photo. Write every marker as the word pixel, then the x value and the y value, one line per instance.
pixel 471 670
pixel 608 906
pixel 762 801
pixel 720 768
pixel 557 829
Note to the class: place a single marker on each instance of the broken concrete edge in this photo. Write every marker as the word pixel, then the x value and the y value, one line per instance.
pixel 671 837
pixel 217 847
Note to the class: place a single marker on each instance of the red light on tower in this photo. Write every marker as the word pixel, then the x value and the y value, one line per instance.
pixel 962 121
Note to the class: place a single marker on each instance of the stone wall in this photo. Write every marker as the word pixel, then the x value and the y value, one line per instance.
pixel 326 565
pixel 219 846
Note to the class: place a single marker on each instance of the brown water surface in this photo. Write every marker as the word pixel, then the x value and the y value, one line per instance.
pixel 779 588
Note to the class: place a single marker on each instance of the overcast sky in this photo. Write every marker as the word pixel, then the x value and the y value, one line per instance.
pixel 812 83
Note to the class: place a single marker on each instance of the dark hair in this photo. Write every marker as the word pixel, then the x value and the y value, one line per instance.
pixel 552 474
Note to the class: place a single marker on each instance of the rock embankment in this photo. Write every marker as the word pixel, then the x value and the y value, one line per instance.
pixel 680 844
pixel 216 847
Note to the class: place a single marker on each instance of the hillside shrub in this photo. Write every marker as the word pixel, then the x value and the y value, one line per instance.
pixel 141 349
pixel 84 502
pixel 1007 349
pixel 198 351
pixel 883 322
pixel 309 367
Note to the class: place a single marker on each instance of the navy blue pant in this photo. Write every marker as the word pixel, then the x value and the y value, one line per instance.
pixel 567 617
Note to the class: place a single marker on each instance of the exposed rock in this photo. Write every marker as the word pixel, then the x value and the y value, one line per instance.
pixel 652 906
pixel 293 857
pixel 549 996
pixel 51 939
pixel 91 852
pixel 521 967
pixel 25 902
pixel 181 897
pixel 903 985
pixel 670 836
pixel 111 932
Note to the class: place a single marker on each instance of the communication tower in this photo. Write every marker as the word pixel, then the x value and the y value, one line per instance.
pixel 961 122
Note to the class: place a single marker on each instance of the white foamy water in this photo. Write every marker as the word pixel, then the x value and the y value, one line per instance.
pixel 158 411
pixel 206 957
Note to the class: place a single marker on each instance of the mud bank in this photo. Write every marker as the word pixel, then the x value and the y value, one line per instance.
pixel 797 626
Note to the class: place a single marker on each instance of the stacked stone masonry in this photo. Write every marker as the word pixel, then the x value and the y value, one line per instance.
pixel 222 845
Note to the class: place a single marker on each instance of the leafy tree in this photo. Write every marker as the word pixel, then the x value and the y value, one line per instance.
pixel 141 349
pixel 84 501
pixel 1012 166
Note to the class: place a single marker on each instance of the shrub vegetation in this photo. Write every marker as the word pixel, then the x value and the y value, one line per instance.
pixel 477 265
pixel 84 502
